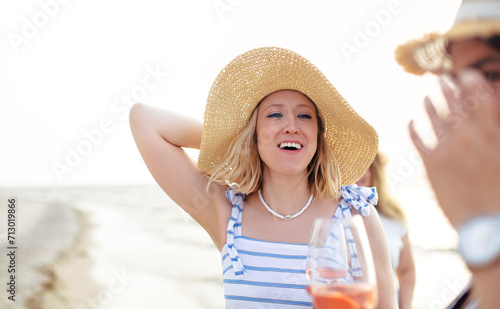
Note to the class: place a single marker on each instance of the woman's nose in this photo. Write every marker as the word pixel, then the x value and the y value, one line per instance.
pixel 291 127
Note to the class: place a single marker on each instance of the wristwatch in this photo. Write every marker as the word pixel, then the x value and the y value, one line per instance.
pixel 479 240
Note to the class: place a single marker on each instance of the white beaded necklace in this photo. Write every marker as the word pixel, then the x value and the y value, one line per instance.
pixel 287 217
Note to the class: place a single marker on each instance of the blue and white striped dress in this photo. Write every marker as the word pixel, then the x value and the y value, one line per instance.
pixel 265 274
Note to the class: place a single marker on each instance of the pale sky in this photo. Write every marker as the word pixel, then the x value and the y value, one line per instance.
pixel 70 71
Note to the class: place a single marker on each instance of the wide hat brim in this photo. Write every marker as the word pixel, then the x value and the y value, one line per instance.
pixel 253 75
pixel 430 53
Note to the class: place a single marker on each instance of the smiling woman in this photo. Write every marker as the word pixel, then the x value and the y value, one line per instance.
pixel 280 142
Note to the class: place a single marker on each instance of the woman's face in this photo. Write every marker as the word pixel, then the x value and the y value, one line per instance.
pixel 287 132
pixel 474 54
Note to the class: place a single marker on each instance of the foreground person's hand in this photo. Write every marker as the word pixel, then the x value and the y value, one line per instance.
pixel 464 167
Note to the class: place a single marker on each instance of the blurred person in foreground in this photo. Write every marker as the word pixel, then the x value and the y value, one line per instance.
pixel 464 166
pixel 394 223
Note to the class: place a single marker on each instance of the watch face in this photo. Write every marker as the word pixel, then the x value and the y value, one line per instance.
pixel 480 240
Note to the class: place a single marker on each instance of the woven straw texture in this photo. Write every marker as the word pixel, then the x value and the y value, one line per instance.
pixel 250 77
pixel 429 54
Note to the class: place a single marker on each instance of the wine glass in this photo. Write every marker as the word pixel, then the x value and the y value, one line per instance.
pixel 340 265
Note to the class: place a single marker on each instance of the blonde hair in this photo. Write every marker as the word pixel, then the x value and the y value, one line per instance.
pixel 242 166
pixel 386 205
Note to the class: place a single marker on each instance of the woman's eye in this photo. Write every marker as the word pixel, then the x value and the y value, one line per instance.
pixel 274 115
pixel 493 76
pixel 305 116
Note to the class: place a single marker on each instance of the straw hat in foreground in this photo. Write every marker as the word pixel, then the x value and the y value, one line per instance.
pixel 253 75
pixel 475 19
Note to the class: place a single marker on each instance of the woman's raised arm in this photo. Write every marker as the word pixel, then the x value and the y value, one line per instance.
pixel 160 136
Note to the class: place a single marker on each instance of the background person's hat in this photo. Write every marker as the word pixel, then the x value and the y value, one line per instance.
pixel 253 75
pixel 475 19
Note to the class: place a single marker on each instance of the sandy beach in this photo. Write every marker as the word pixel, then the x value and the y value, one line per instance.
pixel 131 247
pixel 52 243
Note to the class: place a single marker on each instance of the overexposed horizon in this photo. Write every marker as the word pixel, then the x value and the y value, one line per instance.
pixel 71 70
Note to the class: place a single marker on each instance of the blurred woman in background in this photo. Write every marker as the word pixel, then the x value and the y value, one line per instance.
pixel 394 222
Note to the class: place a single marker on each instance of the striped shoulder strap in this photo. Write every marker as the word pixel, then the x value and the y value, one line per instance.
pixel 237 199
pixel 359 198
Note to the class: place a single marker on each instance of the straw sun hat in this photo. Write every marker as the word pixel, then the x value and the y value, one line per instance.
pixel 480 19
pixel 253 75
